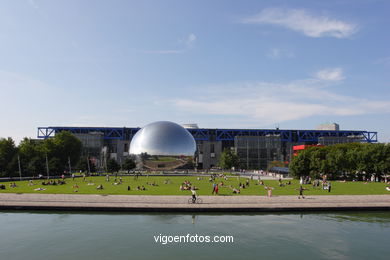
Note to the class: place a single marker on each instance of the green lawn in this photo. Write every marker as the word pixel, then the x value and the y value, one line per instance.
pixel 205 187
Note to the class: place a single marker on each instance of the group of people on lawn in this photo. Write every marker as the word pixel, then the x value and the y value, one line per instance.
pixel 186 185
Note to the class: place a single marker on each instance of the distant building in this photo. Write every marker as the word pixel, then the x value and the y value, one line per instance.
pixel 328 126
pixel 192 126
pixel 255 147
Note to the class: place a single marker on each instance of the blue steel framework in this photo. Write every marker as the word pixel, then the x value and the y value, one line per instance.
pixel 204 134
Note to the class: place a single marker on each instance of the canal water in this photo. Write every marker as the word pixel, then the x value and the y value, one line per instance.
pixel 54 235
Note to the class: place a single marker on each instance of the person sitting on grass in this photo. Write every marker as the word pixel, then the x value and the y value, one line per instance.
pixel 236 191
pixel 128 188
pixel 260 182
pixel 12 185
pixel 76 188
pixel 100 187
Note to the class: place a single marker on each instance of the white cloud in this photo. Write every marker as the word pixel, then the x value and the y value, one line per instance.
pixel 188 43
pixel 276 53
pixel 333 74
pixel 385 61
pixel 190 40
pixel 300 20
pixel 269 103
pixel 33 4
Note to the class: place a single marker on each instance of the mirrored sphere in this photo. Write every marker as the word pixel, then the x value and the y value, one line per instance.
pixel 163 145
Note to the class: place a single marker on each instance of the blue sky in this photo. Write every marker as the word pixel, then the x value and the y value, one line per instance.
pixel 221 64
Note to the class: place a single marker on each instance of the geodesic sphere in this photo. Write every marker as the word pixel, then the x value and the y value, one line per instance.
pixel 163 145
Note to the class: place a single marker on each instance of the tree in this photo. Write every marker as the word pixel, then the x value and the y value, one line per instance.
pixel 65 145
pixel 351 160
pixel 8 157
pixel 62 147
pixel 317 162
pixel 55 166
pixel 82 164
pixel 300 164
pixel 229 159
pixel 113 166
pixel 32 159
pixel 129 164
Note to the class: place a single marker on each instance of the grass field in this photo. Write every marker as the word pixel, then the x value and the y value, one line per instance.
pixel 204 185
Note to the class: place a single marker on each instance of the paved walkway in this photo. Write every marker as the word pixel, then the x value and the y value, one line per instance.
pixel 180 203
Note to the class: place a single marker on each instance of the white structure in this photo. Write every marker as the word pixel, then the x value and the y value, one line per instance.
pixel 190 126
pixel 328 126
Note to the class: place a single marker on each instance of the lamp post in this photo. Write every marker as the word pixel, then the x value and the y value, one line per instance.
pixel 20 168
pixel 70 167
pixel 47 167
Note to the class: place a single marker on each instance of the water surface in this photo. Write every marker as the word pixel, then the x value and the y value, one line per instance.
pixel 131 236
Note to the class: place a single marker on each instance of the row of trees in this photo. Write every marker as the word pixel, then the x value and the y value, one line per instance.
pixel 32 154
pixel 62 152
pixel 343 161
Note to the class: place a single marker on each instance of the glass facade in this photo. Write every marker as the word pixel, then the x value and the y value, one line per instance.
pixel 256 152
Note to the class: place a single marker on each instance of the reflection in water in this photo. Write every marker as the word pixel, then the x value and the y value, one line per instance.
pixel 125 236
pixel 366 217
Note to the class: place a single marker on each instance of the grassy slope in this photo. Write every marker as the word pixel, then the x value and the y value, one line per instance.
pixel 205 187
